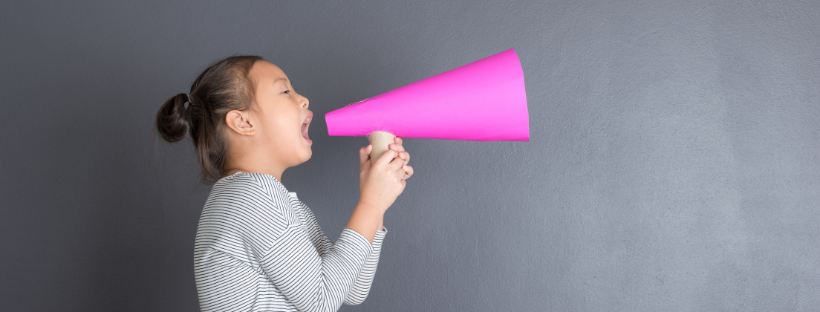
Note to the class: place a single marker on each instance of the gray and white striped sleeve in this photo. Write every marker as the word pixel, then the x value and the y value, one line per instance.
pixel 362 286
pixel 358 293
pixel 312 282
pixel 254 251
pixel 280 243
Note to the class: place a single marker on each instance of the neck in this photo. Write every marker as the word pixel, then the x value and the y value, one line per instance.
pixel 275 172
pixel 253 160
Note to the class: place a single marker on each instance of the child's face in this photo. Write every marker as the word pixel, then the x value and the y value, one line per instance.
pixel 282 116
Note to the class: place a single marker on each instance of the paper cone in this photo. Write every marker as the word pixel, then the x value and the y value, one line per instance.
pixel 481 101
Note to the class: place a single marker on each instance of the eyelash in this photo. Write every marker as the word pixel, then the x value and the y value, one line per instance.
pixel 286 92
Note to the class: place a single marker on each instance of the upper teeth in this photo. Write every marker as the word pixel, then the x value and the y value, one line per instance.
pixel 307 120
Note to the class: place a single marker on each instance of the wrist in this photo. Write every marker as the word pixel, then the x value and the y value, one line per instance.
pixel 369 205
pixel 366 219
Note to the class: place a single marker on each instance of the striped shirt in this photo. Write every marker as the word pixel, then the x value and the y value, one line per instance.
pixel 258 248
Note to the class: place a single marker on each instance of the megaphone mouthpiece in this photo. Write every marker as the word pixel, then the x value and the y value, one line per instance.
pixel 380 140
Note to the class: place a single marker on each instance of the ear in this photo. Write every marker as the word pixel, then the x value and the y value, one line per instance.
pixel 239 122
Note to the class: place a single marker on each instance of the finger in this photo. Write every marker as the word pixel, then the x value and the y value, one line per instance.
pixel 364 155
pixel 408 172
pixel 396 162
pixel 387 157
pixel 400 173
pixel 406 157
pixel 397 145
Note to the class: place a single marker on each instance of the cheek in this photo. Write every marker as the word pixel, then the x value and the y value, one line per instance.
pixel 280 129
pixel 279 125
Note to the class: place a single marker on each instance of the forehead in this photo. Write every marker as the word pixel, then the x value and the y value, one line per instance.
pixel 265 72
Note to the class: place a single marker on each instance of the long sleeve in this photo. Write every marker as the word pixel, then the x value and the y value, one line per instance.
pixel 254 252
pixel 314 278
pixel 312 282
pixel 358 293
pixel 362 286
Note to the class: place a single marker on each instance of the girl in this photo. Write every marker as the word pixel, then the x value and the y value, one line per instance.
pixel 258 248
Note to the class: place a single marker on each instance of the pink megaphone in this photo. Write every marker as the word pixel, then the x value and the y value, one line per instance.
pixel 481 101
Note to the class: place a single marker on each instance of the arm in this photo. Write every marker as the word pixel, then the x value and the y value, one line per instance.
pixel 321 283
pixel 381 181
pixel 358 293
pixel 313 282
pixel 269 229
pixel 361 288
pixel 364 281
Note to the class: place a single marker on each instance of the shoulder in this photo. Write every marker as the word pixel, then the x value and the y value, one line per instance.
pixel 248 202
pixel 248 190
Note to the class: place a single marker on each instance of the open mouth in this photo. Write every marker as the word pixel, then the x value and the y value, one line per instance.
pixel 305 126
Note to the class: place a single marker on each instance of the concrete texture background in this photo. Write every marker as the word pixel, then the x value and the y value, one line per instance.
pixel 674 161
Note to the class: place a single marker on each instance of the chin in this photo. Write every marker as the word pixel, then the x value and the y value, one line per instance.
pixel 306 158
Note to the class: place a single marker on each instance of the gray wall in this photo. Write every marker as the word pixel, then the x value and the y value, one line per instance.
pixel 674 163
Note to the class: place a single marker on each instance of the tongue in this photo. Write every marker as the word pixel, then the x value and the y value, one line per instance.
pixel 304 131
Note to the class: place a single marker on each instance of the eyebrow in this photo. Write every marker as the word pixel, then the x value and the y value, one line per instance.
pixel 282 79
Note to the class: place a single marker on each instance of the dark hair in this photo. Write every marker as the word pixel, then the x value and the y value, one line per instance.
pixel 222 87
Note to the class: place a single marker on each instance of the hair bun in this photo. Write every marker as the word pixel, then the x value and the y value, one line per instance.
pixel 172 119
pixel 222 87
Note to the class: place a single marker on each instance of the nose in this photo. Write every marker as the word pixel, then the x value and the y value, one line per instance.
pixel 305 102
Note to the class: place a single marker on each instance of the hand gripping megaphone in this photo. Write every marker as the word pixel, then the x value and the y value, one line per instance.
pixel 481 101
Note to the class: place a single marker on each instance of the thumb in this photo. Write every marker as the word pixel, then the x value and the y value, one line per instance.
pixel 387 157
pixel 364 155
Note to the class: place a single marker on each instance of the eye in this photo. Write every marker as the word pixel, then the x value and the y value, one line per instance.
pixel 286 92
